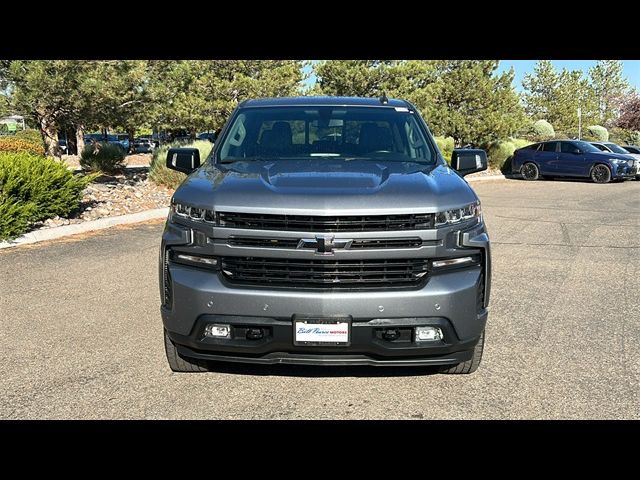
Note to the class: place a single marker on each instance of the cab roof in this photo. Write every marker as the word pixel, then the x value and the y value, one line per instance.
pixel 324 101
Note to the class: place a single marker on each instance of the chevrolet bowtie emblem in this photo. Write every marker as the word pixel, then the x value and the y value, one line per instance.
pixel 324 244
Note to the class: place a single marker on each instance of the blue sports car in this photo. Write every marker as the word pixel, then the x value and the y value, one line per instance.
pixel 572 158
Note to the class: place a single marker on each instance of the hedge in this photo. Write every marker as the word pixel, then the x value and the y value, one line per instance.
pixel 543 130
pixel 597 133
pixel 33 189
pixel 102 157
pixel 500 153
pixel 161 175
pixel 446 145
pixel 15 144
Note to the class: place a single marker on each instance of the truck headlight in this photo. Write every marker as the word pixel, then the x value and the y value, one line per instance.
pixel 457 215
pixel 193 213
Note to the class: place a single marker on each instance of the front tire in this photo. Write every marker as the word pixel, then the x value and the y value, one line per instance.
pixel 470 365
pixel 600 174
pixel 530 171
pixel 179 363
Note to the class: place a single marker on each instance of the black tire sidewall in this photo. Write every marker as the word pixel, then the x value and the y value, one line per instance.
pixel 537 176
pixel 600 165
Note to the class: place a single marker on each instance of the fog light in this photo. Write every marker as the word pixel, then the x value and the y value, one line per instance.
pixel 391 334
pixel 255 333
pixel 428 334
pixel 183 257
pixel 451 262
pixel 217 331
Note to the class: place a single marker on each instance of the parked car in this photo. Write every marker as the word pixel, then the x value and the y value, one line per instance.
pixel 211 136
pixel 571 158
pixel 634 151
pixel 631 148
pixel 372 252
pixel 120 139
pixel 62 145
pixel 142 145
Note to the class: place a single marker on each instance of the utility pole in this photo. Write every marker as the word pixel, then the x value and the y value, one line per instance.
pixel 579 123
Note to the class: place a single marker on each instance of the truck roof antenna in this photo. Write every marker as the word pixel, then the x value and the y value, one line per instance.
pixel 383 99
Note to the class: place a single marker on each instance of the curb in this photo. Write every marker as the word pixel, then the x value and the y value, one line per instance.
pixel 486 178
pixel 90 226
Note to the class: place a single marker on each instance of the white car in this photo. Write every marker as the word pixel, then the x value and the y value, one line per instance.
pixel 613 148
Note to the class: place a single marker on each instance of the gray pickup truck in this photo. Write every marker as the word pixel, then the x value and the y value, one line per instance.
pixel 325 230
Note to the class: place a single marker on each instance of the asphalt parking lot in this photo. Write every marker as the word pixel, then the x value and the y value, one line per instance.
pixel 82 338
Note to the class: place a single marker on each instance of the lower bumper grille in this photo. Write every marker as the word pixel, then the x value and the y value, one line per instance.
pixel 325 274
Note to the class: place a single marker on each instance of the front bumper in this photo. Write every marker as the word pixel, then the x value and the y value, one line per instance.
pixel 625 172
pixel 367 344
pixel 456 301
pixel 451 301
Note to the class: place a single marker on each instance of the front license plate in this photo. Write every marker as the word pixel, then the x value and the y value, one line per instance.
pixel 321 332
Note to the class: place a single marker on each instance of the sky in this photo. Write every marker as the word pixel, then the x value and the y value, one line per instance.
pixel 522 67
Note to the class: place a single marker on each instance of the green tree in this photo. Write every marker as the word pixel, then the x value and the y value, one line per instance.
pixel 608 88
pixel 71 94
pixel 201 94
pixel 464 99
pixel 556 96
pixel 469 101
pixel 359 78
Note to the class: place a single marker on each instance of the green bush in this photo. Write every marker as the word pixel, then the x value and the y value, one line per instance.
pixel 33 189
pixel 500 153
pixel 543 130
pixel 622 136
pixel 161 175
pixel 597 133
pixel 15 145
pixel 102 157
pixel 446 146
pixel 30 135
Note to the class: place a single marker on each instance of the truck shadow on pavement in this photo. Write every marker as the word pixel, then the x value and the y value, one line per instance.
pixel 285 370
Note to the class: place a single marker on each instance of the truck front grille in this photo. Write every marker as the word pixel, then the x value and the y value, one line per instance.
pixel 358 244
pixel 342 223
pixel 325 274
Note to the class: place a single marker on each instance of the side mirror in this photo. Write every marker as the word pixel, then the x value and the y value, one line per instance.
pixel 466 161
pixel 184 160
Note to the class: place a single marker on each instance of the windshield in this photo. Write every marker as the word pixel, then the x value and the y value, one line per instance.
pixel 615 148
pixel 586 147
pixel 375 133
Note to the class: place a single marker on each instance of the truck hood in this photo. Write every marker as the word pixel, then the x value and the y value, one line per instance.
pixel 325 187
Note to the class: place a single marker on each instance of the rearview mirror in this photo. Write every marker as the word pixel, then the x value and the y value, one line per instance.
pixel 468 160
pixel 184 160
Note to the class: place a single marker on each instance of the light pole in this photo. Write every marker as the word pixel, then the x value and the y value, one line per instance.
pixel 579 123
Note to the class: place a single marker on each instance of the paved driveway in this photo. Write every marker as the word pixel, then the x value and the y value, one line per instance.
pixel 81 334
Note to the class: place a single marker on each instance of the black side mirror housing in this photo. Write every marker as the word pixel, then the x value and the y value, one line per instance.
pixel 184 160
pixel 468 160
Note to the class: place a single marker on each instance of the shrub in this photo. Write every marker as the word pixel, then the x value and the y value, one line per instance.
pixel 500 153
pixel 102 157
pixel 543 130
pixel 446 146
pixel 161 175
pixel 33 189
pixel 16 145
pixel 622 136
pixel 30 135
pixel 597 133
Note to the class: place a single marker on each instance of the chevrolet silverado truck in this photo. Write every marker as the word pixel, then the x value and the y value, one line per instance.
pixel 325 230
